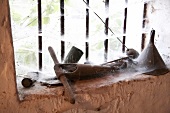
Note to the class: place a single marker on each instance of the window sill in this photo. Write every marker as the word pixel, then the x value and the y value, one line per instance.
pixel 38 91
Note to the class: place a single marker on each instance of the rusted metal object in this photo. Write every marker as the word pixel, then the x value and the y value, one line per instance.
pixel 73 56
pixel 28 82
pixel 61 76
pixel 83 71
pixel 150 61
pixel 74 71
pixel 29 79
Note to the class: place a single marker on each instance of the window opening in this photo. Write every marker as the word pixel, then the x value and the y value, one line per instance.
pixel 134 24
pixel 103 30
pixel 24 31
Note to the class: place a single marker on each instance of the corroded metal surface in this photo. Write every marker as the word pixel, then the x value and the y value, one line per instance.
pixel 83 71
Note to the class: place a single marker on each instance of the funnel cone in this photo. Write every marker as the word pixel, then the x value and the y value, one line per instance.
pixel 150 60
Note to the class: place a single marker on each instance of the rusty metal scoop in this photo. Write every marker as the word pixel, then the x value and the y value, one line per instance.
pixel 150 60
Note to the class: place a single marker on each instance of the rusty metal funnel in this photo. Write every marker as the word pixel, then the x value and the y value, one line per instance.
pixel 150 60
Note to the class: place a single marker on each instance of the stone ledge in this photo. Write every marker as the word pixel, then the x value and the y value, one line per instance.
pixel 125 96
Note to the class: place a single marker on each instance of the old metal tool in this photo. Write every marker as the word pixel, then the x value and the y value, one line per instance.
pixel 61 76
pixel 29 79
pixel 150 61
pixel 75 71
pixel 28 82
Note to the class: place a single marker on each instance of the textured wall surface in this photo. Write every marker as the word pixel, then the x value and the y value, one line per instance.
pixel 147 95
pixel 8 95
pixel 159 14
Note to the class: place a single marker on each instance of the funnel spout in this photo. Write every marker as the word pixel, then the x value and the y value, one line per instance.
pixel 152 37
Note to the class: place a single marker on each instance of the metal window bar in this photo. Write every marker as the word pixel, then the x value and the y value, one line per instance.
pixel 143 26
pixel 87 32
pixel 39 36
pixel 106 30
pixel 124 29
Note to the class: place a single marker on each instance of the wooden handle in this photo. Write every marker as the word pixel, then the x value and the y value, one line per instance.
pixel 68 91
pixel 53 55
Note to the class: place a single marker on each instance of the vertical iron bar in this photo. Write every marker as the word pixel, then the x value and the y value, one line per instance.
pixel 106 30
pixel 143 26
pixel 62 28
pixel 124 28
pixel 87 32
pixel 39 35
pixel 143 41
